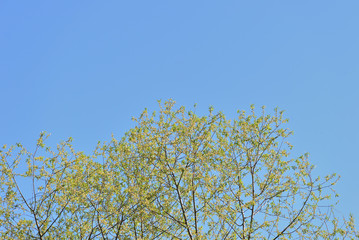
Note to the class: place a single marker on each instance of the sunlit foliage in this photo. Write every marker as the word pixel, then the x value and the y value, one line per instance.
pixel 175 175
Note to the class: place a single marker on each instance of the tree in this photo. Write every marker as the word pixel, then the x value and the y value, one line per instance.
pixel 175 175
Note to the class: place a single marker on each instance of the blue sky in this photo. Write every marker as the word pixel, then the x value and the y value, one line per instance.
pixel 84 68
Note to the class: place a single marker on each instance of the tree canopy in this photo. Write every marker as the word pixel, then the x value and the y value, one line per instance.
pixel 175 175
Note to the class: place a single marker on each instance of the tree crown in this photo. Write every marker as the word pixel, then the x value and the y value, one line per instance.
pixel 175 175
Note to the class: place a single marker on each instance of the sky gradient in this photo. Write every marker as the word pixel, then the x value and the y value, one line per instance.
pixel 82 69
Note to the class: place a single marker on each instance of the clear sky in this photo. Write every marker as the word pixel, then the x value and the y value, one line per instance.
pixel 84 68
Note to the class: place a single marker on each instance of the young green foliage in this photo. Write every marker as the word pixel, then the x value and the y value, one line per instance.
pixel 175 175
